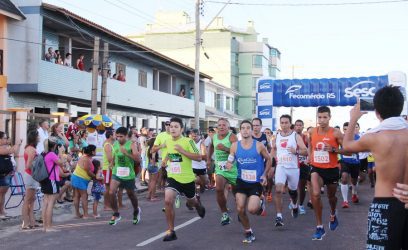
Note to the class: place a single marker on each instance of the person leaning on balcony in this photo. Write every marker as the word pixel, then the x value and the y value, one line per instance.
pixel 121 76
pixel 80 63
pixel 182 92
pixel 58 57
pixel 67 61
pixel 50 55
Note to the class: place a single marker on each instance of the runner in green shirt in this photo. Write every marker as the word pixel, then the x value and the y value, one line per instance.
pixel 160 144
pixel 221 145
pixel 123 174
pixel 180 152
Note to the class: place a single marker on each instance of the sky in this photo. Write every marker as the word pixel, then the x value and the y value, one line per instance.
pixel 316 41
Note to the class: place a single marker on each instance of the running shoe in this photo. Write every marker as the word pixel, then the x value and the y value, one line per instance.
pixel 295 212
pixel 310 205
pixel 302 210
pixel 333 224
pixel 225 219
pixel 262 208
pixel 170 235
pixel 136 218
pixel 163 209
pixel 319 234
pixel 322 190
pixel 200 210
pixel 345 204
pixel 354 198
pixel 279 222
pixel 249 237
pixel 114 220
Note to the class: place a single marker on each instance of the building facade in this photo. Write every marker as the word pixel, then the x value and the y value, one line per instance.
pixel 233 57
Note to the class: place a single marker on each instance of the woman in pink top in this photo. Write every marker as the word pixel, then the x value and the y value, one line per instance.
pixel 27 212
pixel 49 186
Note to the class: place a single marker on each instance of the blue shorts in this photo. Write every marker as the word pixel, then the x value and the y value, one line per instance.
pixel 371 165
pixel 5 181
pixel 153 169
pixel 79 183
pixel 97 195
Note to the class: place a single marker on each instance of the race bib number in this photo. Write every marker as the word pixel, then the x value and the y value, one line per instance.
pixel 321 157
pixel 123 172
pixel 285 159
pixel 175 168
pixel 222 165
pixel 248 175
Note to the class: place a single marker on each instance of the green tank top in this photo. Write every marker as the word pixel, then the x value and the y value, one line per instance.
pixel 221 155
pixel 124 165
pixel 105 162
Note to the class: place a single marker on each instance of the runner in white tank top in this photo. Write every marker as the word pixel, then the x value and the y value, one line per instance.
pixel 199 167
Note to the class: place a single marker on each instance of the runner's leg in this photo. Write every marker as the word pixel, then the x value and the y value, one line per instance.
pixel 317 183
pixel 169 198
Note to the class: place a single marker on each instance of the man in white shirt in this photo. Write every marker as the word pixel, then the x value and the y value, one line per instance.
pixel 43 134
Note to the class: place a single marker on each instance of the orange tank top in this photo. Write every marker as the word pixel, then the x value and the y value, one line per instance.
pixel 320 158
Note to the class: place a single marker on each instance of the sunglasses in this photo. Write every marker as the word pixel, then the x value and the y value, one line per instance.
pixel 168 124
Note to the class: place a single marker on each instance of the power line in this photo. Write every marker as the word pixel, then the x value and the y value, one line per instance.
pixel 308 4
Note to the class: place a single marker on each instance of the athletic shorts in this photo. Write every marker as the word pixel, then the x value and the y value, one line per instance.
pixel 188 189
pixel 248 189
pixel 290 175
pixel 352 169
pixel 49 186
pixel 5 181
pixel 304 172
pixel 125 184
pixel 363 165
pixel 387 224
pixel 79 182
pixel 143 161
pixel 370 165
pixel 107 176
pixel 29 182
pixel 329 175
pixel 152 169
pixel 199 172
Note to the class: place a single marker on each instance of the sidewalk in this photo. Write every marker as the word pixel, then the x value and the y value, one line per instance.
pixel 63 210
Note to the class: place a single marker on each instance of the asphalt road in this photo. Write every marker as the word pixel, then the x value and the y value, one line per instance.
pixel 196 233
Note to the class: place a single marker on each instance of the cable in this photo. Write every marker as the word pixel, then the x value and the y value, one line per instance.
pixel 308 4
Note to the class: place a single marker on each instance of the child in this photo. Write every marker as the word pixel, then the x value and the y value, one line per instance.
pixel 153 170
pixel 98 188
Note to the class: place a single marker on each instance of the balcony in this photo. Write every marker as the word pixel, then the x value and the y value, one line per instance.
pixel 63 81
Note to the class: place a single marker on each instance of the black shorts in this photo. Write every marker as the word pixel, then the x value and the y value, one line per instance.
pixel 199 172
pixel 352 169
pixel 49 187
pixel 363 165
pixel 188 189
pixel 125 184
pixel 248 189
pixel 387 224
pixel 304 172
pixel 329 175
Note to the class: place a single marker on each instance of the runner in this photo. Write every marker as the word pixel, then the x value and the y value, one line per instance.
pixel 304 176
pixel 350 167
pixel 324 142
pixel 287 146
pixel 250 156
pixel 123 175
pixel 199 167
pixel 220 145
pixel 371 169
pixel 180 152
pixel 262 138
pixel 269 134
pixel 387 216
pixel 160 145
pixel 363 157
pixel 107 160
pixel 211 168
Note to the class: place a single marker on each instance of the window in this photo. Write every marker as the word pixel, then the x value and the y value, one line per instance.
pixel 210 99
pixel 257 61
pixel 142 78
pixel 254 80
pixel 119 67
pixel 229 104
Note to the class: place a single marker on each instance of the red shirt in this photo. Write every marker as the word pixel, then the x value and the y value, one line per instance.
pixel 28 170
pixel 81 65
pixel 320 158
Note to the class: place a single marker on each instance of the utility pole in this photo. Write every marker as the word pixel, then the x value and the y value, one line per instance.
pixel 105 68
pixel 95 66
pixel 197 67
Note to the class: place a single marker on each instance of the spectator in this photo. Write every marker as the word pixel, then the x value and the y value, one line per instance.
pixel 50 55
pixel 43 134
pixel 58 58
pixel 114 77
pixel 192 93
pixel 80 63
pixel 182 92
pixel 75 148
pixel 68 60
pixel 109 74
pixel 97 187
pixel 57 130
pixel 27 212
pixel 65 176
pixel 83 139
pixel 6 168
pixel 84 172
pixel 121 76
pixel 50 186
pixel 153 170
